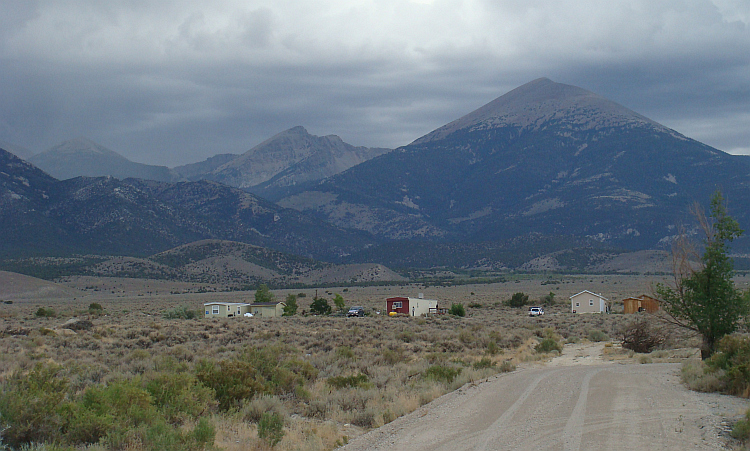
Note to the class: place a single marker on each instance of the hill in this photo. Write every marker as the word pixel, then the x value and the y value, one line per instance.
pixel 83 157
pixel 20 152
pixel 219 263
pixel 40 215
pixel 545 158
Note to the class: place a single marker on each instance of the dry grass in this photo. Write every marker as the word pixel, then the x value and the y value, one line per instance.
pixel 131 338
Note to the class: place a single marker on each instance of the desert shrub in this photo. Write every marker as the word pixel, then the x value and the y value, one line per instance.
pixel 548 299
pixel 45 313
pixel 32 406
pixel 483 363
pixel 253 411
pixel 597 335
pixel 95 308
pixel 320 306
pixel 475 304
pixel 366 418
pixel 696 377
pixel 517 300
pixel 392 356
pixel 345 352
pixel 271 428
pixel 507 366
pixel 548 344
pixel 232 380
pixel 179 396
pixel 732 358
pixel 354 381
pixel 493 348
pixel 444 374
pixel 457 310
pixel 640 336
pixel 182 312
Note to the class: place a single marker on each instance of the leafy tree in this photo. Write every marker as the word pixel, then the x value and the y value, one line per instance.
pixel 290 309
pixel 339 301
pixel 518 300
pixel 263 294
pixel 705 299
pixel 548 299
pixel 320 306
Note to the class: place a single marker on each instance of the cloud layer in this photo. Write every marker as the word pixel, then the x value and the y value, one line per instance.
pixel 172 82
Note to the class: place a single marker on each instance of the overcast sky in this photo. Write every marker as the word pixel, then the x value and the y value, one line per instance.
pixel 173 82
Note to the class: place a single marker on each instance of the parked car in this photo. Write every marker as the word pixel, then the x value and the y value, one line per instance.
pixel 536 311
pixel 356 311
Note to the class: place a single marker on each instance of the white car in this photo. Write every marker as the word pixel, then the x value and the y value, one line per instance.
pixel 536 311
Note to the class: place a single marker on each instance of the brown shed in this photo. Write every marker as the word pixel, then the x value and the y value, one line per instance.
pixel 642 303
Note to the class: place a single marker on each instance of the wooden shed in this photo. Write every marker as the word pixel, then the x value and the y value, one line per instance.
pixel 642 303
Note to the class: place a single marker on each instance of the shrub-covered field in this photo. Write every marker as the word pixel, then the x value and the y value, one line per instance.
pixel 155 375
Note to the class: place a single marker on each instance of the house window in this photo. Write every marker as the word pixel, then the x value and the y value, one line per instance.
pixel 591 302
pixel 578 304
pixel 396 304
pixel 215 310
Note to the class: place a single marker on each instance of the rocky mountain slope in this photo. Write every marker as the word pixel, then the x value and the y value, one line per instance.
pixel 20 152
pixel 83 157
pixel 40 215
pixel 546 158
pixel 289 159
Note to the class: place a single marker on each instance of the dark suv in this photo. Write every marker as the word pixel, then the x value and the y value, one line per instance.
pixel 356 311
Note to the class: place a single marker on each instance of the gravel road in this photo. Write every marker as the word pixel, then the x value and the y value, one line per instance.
pixel 577 402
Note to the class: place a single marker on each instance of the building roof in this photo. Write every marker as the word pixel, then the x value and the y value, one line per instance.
pixel 589 292
pixel 267 304
pixel 228 304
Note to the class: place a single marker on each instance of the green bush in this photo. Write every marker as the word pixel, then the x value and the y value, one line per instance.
pixel 182 312
pixel 179 396
pixel 741 429
pixel 290 305
pixel 232 381
pixel 45 313
pixel 484 363
pixel 320 306
pixel 439 373
pixel 271 428
pixel 507 367
pixel 518 300
pixel 457 310
pixel 355 381
pixel 597 335
pixel 732 358
pixel 548 344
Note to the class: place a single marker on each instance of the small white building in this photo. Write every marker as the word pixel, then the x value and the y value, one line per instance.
pixel 588 302
pixel 411 306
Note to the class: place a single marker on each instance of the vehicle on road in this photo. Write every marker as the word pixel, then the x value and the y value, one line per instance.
pixel 536 311
pixel 356 311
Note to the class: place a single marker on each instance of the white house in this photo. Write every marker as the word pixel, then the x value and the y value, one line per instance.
pixel 588 302
pixel 225 309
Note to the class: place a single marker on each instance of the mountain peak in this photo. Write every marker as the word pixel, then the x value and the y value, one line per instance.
pixel 540 101
pixel 81 145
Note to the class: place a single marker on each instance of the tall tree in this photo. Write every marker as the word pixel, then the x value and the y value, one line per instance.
pixel 263 294
pixel 704 298
pixel 290 306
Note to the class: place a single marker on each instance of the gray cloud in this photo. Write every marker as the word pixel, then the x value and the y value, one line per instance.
pixel 172 82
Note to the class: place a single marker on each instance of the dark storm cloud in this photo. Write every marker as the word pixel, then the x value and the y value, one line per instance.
pixel 175 82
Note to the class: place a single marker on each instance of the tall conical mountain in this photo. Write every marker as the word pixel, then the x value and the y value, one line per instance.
pixel 290 158
pixel 545 158
pixel 83 157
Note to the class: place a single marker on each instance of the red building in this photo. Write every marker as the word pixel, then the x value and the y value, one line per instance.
pixel 411 306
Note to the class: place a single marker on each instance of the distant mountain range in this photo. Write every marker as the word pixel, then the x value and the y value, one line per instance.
pixel 285 163
pixel 20 152
pixel 546 158
pixel 83 157
pixel 40 215
pixel 547 177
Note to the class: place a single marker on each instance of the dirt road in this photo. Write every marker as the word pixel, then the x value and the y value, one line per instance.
pixel 578 402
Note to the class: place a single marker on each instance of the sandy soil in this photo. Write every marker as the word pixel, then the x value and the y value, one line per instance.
pixel 578 401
